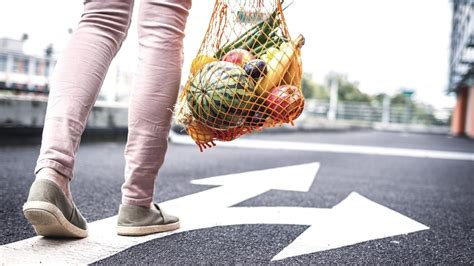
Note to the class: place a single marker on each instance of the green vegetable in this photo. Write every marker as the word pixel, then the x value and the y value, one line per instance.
pixel 255 37
pixel 240 40
pixel 275 41
pixel 263 36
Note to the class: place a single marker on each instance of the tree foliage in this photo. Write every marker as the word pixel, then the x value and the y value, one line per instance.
pixel 400 99
pixel 313 90
pixel 348 90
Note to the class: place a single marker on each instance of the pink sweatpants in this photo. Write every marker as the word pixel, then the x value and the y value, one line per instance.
pixel 79 74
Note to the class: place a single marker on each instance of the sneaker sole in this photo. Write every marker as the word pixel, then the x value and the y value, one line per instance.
pixel 146 230
pixel 49 221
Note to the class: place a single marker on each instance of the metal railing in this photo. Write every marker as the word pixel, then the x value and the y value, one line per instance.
pixel 377 113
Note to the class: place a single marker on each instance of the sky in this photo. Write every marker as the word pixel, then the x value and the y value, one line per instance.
pixel 385 45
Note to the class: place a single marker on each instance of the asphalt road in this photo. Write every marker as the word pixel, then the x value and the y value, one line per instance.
pixel 435 192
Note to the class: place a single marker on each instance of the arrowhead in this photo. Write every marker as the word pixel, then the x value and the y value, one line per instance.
pixel 294 178
pixel 354 220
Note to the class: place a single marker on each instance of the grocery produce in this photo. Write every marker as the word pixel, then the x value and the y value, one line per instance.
pixel 183 113
pixel 220 95
pixel 271 52
pixel 273 43
pixel 255 37
pixel 238 57
pixel 200 133
pixel 293 74
pixel 256 119
pixel 200 61
pixel 246 75
pixel 277 67
pixel 231 133
pixel 256 68
pixel 285 102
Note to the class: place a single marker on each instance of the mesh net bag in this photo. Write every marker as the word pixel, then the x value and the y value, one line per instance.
pixel 246 75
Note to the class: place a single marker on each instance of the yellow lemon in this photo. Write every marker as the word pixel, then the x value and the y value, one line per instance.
pixel 200 61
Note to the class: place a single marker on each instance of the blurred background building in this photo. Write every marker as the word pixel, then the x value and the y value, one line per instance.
pixel 25 82
pixel 25 74
pixel 22 73
pixel 461 80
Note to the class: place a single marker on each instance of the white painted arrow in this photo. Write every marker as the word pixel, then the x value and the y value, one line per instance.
pixel 235 188
pixel 355 219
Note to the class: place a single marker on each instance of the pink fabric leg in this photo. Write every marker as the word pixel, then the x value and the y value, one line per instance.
pixel 77 79
pixel 160 32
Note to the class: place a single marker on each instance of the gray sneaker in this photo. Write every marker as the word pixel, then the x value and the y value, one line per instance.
pixel 138 221
pixel 50 212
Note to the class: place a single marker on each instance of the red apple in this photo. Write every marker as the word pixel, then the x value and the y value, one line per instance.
pixel 238 56
pixel 285 102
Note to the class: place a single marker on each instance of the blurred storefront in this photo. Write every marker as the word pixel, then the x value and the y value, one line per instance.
pixel 461 80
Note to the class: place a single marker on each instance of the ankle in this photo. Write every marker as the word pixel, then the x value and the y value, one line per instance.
pixel 139 204
pixel 59 179
pixel 53 175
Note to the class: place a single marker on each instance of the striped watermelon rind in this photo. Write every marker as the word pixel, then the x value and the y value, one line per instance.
pixel 221 95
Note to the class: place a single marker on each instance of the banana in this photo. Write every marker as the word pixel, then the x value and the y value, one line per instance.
pixel 278 66
pixel 294 72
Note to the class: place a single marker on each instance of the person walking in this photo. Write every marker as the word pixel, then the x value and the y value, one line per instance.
pixel 75 85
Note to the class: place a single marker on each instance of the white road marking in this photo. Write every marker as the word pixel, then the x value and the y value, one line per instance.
pixel 355 219
pixel 333 148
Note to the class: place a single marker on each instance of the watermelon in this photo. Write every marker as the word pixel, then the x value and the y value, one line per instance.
pixel 221 95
